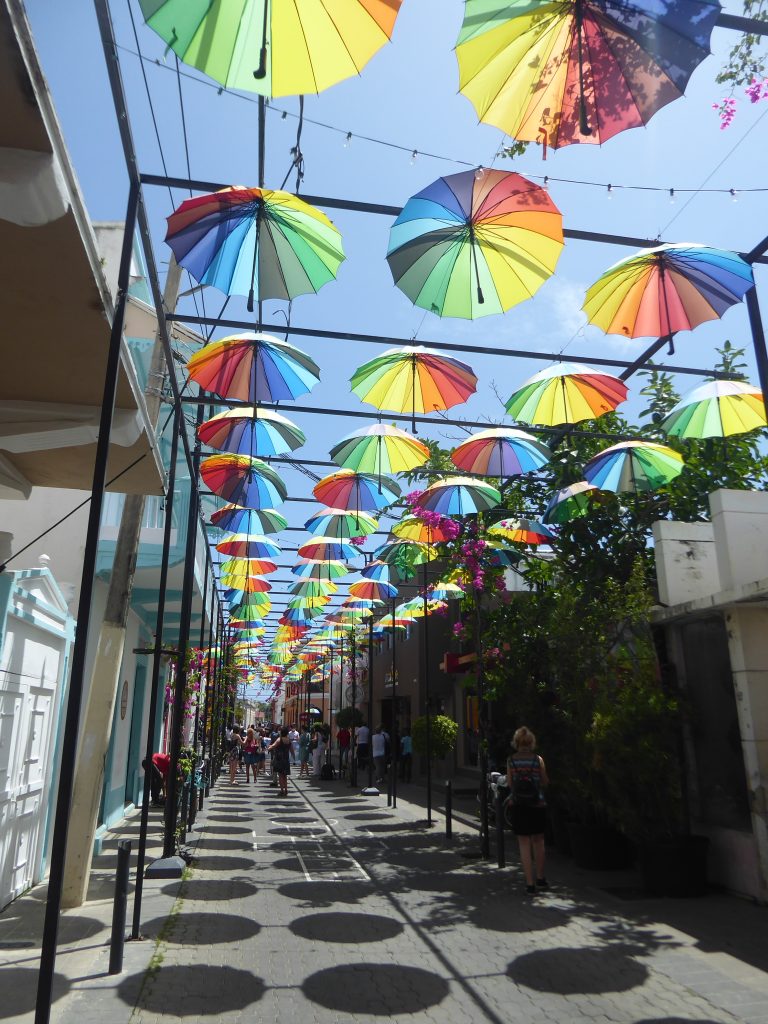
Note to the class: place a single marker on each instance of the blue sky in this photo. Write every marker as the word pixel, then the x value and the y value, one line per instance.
pixel 408 95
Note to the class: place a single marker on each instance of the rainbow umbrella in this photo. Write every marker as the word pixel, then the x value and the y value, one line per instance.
pixel 308 602
pixel 414 380
pixel 335 522
pixel 248 520
pixel 373 590
pixel 247 567
pixel 566 393
pixel 398 622
pixel 475 243
pixel 570 502
pixel 718 408
pixel 245 545
pixel 246 584
pixel 251 431
pixel 669 288
pixel 418 608
pixel 500 451
pixel 404 556
pixel 320 570
pixel 253 368
pixel 501 556
pixel 358 491
pixel 276 49
pixel 578 70
pixel 521 531
pixel 313 588
pixel 377 570
pixel 380 449
pixel 633 466
pixel 262 243
pixel 328 549
pixel 243 480
pixel 459 496
pixel 447 592
pixel 246 624
pixel 413 528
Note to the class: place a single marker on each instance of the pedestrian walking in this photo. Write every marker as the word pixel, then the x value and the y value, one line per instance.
pixel 233 753
pixel 406 756
pixel 318 750
pixel 251 754
pixel 304 753
pixel 293 736
pixel 362 737
pixel 281 759
pixel 343 737
pixel 379 752
pixel 526 779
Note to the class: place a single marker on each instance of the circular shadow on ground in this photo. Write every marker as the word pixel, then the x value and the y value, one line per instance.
pixel 402 826
pixel 375 990
pixel 325 894
pixel 217 862
pixel 339 927
pixel 226 830
pixel 202 928
pixel 676 1020
pixel 300 831
pixel 199 991
pixel 497 916
pixel 220 817
pixel 423 861
pixel 20 991
pixel 567 971
pixel 73 929
pixel 227 845
pixel 366 816
pixel 213 889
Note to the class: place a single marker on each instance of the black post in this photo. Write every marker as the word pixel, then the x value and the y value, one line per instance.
pixel 500 829
pixel 119 906
pixel 370 701
pixel 448 809
pixel 485 838
pixel 427 698
pixel 353 751
pixel 758 341
pixel 389 789
pixel 208 705
pixel 77 676
pixel 396 733
pixel 154 690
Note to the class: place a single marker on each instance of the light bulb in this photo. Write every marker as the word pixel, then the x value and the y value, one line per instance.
pixel 284 115
pixel 545 183
pixel 610 191
pixel 414 154
pixel 672 196
pixel 348 140
pixel 479 173
pixel 734 195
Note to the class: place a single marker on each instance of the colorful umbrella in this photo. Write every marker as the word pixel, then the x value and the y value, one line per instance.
pixel 246 567
pixel 253 368
pixel 578 70
pixel 521 531
pixel 404 556
pixel 257 242
pixel 248 520
pixel 413 528
pixel 566 393
pixel 475 243
pixel 328 548
pixel 669 288
pixel 413 380
pixel 380 449
pixel 718 408
pixel 280 49
pixel 320 570
pixel 377 570
pixel 335 522
pixel 318 601
pixel 313 588
pixel 373 590
pixel 358 491
pixel 501 452
pixel 447 592
pixel 459 496
pixel 246 584
pixel 633 466
pixel 245 545
pixel 242 480
pixel 570 502
pixel 251 431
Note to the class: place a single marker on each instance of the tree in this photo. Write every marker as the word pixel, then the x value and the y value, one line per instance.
pixel 443 733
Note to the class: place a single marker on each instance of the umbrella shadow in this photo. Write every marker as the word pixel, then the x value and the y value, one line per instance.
pixel 202 990
pixel 201 928
pixel 346 928
pixel 567 971
pixel 375 990
pixel 213 889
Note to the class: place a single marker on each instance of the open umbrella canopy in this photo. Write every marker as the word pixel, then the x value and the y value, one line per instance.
pixel 413 380
pixel 320 569
pixel 501 555
pixel 246 545
pixel 263 243
pixel 251 431
pixel 377 570
pixel 404 556
pixel 718 408
pixel 319 601
pixel 413 528
pixel 475 243
pixel 447 592
pixel 276 49
pixel 359 491
pixel 633 466
pixel 328 548
pixel 567 71
pixel 570 502
pixel 566 393
pixel 248 520
pixel 459 496
pixel 500 451
pixel 336 522
pixel 246 584
pixel 247 567
pixel 313 588
pixel 398 622
pixel 373 590
pixel 243 480
pixel 379 449
pixel 669 288
pixel 521 531
pixel 253 368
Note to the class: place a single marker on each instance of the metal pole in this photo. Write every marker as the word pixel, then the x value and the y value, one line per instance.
pixel 448 809
pixel 427 698
pixel 485 839
pixel 758 341
pixel 353 752
pixel 154 689
pixel 396 733
pixel 208 704
pixel 370 702
pixel 119 906
pixel 500 830
pixel 77 677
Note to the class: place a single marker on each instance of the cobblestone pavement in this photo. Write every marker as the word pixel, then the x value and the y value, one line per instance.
pixel 327 906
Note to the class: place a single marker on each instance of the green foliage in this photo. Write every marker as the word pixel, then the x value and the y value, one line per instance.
pixel 443 732
pixel 746 60
pixel 438 464
pixel 345 719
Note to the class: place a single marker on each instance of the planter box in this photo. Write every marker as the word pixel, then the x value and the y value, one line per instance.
pixel 598 848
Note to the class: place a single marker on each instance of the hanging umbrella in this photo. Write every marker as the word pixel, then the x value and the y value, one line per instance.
pixel 633 466
pixel 247 567
pixel 274 49
pixel 319 601
pixel 570 502
pixel 398 622
pixel 245 545
pixel 459 496
pixel 418 609
pixel 246 584
pixel 251 431
pixel 373 590
pixel 327 548
pixel 414 380
pixel 313 588
pixel 404 556
pixel 578 70
pixel 358 491
pixel 377 570
pixel 380 449
pixel 669 288
pixel 335 522
pixel 501 452
pixel 447 592
pixel 475 243
pixel 262 243
pixel 243 480
pixel 248 520
pixel 320 570
pixel 413 528
pixel 521 531
pixel 254 368
pixel 718 408
pixel 566 393
pixel 501 556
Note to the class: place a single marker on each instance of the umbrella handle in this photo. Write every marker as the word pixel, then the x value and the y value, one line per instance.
pixel 259 210
pixel 473 256
pixel 261 70
pixel 584 126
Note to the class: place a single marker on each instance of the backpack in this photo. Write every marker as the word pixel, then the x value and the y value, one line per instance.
pixel 526 782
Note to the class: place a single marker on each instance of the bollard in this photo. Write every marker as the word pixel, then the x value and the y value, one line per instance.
pixel 119 906
pixel 389 787
pixel 184 812
pixel 500 830
pixel 448 810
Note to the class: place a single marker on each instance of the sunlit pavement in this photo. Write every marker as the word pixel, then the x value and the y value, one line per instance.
pixel 328 906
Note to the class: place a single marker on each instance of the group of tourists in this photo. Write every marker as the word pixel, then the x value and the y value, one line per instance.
pixel 250 750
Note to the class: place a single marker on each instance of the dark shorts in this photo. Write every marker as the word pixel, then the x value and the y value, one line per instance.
pixel 529 821
pixel 251 758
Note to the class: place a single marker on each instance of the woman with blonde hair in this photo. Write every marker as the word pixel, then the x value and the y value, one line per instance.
pixel 526 778
pixel 251 753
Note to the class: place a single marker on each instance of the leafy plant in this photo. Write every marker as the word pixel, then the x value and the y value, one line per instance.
pixel 345 719
pixel 442 734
